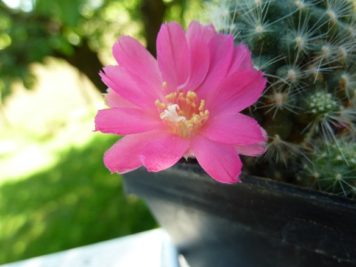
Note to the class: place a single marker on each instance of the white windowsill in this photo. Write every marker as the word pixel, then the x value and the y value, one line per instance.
pixel 150 249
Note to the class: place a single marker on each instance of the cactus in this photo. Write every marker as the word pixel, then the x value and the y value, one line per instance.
pixel 334 168
pixel 307 49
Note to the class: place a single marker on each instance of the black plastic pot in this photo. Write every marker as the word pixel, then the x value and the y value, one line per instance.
pixel 255 223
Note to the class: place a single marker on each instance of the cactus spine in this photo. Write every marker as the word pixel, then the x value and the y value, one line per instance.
pixel 307 49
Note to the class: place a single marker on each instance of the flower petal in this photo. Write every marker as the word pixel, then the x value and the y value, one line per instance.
pixel 129 86
pixel 251 150
pixel 155 150
pixel 132 56
pixel 241 59
pixel 220 161
pixel 232 128
pixel 239 91
pixel 123 156
pixel 124 121
pixel 198 31
pixel 198 38
pixel 254 149
pixel 163 151
pixel 172 55
pixel 221 51
pixel 114 100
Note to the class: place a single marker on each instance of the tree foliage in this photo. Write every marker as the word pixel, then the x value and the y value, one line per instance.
pixel 73 30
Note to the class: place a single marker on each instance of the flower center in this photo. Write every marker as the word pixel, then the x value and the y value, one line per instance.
pixel 183 112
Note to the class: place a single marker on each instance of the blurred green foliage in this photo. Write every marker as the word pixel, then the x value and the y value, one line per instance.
pixel 77 201
pixel 74 203
pixel 74 30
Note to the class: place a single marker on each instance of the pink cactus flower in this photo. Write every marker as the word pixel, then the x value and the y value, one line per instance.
pixel 185 103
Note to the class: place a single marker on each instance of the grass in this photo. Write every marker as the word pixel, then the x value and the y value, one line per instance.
pixel 55 192
pixel 72 203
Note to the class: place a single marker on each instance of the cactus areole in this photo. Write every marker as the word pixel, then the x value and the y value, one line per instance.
pixel 307 50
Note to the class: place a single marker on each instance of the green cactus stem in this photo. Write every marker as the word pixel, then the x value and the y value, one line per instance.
pixel 307 49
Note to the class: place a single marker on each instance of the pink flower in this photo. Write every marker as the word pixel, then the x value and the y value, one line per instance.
pixel 185 103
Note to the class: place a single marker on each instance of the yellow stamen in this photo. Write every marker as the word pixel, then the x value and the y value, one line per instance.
pixel 160 105
pixel 191 95
pixel 183 112
pixel 171 96
pixel 201 105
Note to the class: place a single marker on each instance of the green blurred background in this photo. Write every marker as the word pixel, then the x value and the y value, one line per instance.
pixel 55 192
